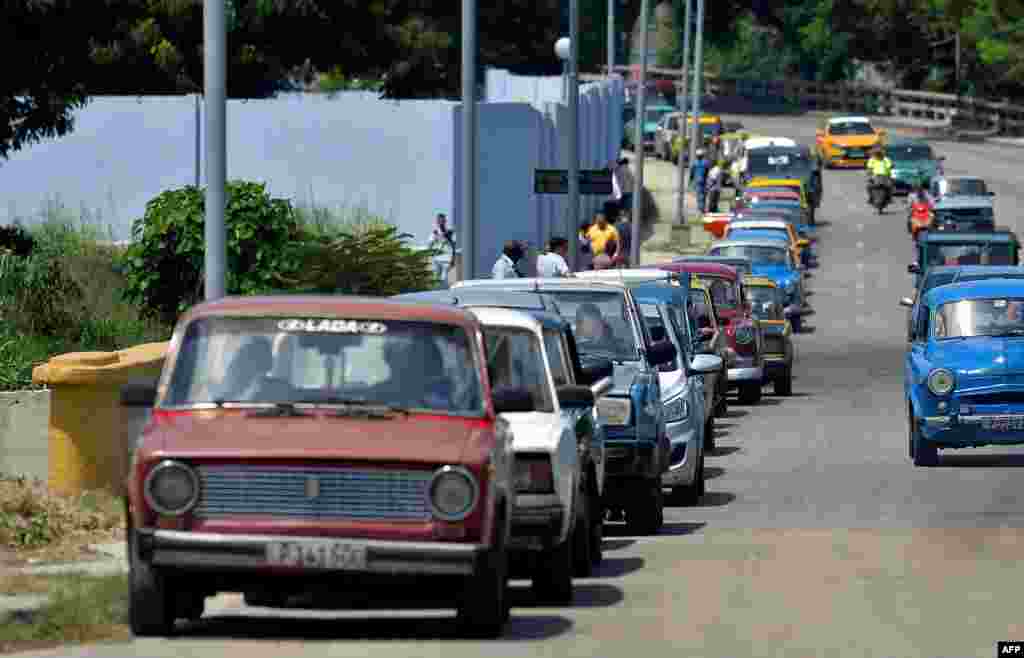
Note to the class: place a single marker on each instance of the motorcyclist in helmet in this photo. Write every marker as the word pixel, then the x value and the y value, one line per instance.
pixel 879 168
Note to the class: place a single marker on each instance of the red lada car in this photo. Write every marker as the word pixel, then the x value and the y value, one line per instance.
pixel 309 443
pixel 742 330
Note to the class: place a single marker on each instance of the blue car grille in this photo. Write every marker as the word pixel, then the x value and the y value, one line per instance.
pixel 340 493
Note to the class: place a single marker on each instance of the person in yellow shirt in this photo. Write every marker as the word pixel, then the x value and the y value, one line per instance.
pixel 879 168
pixel 600 233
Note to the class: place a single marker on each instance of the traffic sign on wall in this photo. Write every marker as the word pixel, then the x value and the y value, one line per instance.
pixel 596 182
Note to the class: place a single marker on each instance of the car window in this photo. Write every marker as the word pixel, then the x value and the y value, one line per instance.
pixel 701 313
pixel 979 317
pixel 765 302
pixel 756 254
pixel 558 359
pixel 850 128
pixel 515 360
pixel 967 186
pixel 412 365
pixel 970 254
pixel 601 323
pixel 653 317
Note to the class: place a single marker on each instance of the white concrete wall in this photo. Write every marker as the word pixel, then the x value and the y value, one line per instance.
pixel 24 438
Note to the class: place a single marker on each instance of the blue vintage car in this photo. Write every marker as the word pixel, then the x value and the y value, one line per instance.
pixel 964 371
pixel 771 258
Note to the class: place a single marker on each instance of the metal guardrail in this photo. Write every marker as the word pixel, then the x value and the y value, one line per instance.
pixel 921 107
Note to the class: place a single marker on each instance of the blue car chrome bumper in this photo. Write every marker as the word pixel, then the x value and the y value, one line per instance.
pixel 974 430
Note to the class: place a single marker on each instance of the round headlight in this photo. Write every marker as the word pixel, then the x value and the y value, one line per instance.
pixel 171 488
pixel 453 493
pixel 744 335
pixel 940 381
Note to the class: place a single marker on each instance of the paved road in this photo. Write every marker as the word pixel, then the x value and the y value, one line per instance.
pixel 817 537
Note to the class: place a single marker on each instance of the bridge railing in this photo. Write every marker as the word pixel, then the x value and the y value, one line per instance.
pixel 922 107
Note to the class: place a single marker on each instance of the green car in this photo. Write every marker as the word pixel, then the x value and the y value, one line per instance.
pixel 653 113
pixel 913 162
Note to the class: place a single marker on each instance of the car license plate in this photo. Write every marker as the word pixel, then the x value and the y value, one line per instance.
pixel 336 555
pixel 1003 423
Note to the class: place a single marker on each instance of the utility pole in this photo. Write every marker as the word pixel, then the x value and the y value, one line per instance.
pixel 698 77
pixel 574 133
pixel 682 171
pixel 611 37
pixel 641 113
pixel 468 215
pixel 215 73
pixel 199 144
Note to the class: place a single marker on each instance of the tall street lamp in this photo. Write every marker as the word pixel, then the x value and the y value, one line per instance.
pixel 682 172
pixel 565 49
pixel 215 90
pixel 467 210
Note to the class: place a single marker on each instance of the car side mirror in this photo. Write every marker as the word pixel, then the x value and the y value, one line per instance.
pixel 139 393
pixel 658 334
pixel 907 301
pixel 510 399
pixel 596 369
pixel 914 268
pixel 704 364
pixel 661 352
pixel 575 397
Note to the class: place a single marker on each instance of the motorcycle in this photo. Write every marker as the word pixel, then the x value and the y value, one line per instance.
pixel 880 193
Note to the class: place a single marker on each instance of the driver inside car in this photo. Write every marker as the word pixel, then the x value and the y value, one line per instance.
pixel 245 373
pixel 418 378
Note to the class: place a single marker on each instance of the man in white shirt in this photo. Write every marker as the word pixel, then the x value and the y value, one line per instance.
pixel 551 264
pixel 505 266
pixel 622 184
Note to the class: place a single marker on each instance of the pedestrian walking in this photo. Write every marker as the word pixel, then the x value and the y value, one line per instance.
pixel 551 264
pixel 600 233
pixel 698 177
pixel 714 185
pixel 442 242
pixel 505 266
pixel 624 227
pixel 622 184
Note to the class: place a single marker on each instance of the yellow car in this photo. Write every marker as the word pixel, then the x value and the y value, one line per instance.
pixel 768 306
pixel 797 244
pixel 847 141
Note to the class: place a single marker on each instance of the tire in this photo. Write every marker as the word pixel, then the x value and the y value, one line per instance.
pixel 910 228
pixel 750 392
pixel 552 579
pixel 690 495
pixel 646 514
pixel 484 608
pixel 784 384
pixel 709 433
pixel 151 599
pixel 925 453
pixel 582 538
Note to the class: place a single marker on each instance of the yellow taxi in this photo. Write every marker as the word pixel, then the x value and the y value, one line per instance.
pixel 797 244
pixel 847 141
pixel 768 306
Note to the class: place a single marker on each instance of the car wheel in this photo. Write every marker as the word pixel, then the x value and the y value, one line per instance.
pixel 784 384
pixel 646 515
pixel 552 578
pixel 151 598
pixel 709 433
pixel 582 538
pixel 750 392
pixel 690 495
pixel 925 453
pixel 484 608
pixel 910 228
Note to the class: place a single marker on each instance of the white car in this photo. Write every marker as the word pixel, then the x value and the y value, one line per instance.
pixel 559 464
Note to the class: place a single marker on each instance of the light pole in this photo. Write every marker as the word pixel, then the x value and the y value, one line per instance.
pixel 562 51
pixel 215 90
pixel 565 49
pixel 641 114
pixel 682 172
pixel 698 78
pixel 611 37
pixel 468 214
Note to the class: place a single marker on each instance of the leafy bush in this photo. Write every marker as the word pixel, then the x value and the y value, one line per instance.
pixel 271 248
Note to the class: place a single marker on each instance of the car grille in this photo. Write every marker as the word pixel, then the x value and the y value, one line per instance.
pixel 774 344
pixel 1009 397
pixel 340 493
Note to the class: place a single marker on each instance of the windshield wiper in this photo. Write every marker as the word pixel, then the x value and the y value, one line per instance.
pixel 279 410
pixel 339 407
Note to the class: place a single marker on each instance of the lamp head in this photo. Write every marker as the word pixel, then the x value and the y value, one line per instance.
pixel 562 49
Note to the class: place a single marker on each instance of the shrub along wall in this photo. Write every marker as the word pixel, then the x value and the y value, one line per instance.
pixel 63 290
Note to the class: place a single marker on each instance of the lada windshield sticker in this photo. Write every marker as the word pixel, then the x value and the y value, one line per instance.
pixel 333 326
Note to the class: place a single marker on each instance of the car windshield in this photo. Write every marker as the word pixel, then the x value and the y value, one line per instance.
pixel 410 365
pixel 970 254
pixel 601 323
pixel 967 186
pixel 979 317
pixel 759 255
pixel 723 291
pixel 765 302
pixel 916 152
pixel 748 231
pixel 515 360
pixel 937 279
pixel 851 128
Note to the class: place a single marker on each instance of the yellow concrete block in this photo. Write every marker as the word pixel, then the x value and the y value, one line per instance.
pixel 89 448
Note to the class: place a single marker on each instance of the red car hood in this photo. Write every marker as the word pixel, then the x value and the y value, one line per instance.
pixel 231 435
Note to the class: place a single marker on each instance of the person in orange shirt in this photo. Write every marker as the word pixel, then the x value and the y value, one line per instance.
pixel 600 233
